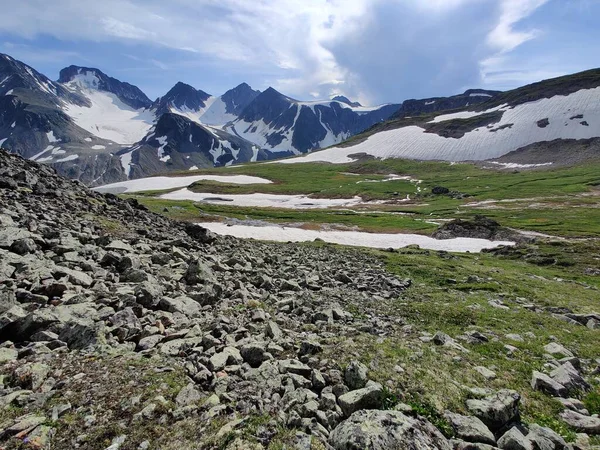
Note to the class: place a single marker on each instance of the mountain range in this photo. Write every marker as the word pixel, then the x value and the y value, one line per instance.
pixel 97 129
pixel 554 121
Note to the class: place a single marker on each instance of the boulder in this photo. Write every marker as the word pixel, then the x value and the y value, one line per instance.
pixel 586 424
pixel 496 410
pixel 386 430
pixel 542 382
pixel 355 375
pixel 469 428
pixel 369 397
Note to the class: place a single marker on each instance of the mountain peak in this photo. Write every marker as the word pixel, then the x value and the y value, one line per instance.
pixel 91 78
pixel 238 98
pixel 346 100
pixel 181 96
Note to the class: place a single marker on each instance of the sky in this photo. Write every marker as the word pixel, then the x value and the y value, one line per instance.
pixel 374 51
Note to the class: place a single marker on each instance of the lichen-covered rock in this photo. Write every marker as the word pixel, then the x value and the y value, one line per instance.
pixel 385 430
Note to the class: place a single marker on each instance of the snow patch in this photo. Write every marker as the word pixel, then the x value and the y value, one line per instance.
pixel 193 168
pixel 353 238
pixel 68 158
pixel 2 141
pixel 164 183
pixel 111 119
pixel 14 124
pixel 98 147
pixel 263 200
pixel 51 137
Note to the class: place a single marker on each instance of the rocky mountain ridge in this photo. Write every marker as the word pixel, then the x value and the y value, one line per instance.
pixel 85 121
pixel 121 328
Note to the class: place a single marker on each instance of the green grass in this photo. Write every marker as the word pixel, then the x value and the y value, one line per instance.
pixel 561 201
pixel 445 296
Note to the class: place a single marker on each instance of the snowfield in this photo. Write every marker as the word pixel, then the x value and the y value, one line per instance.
pixel 164 183
pixel 353 238
pixel 264 200
pixel 482 143
pixel 111 119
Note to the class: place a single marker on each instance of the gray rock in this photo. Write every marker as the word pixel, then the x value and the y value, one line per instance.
pixel 514 439
pixel 386 430
pixel 310 348
pixel 543 438
pixel 119 246
pixel 586 424
pixel 8 354
pixel 273 331
pixel 554 348
pixel 355 375
pixel 496 410
pixel 470 429
pixel 75 276
pixel 542 382
pixel 369 397
pixel 569 377
pixel 254 354
pixel 182 304
pixel 294 366
pixel 23 246
pixel 148 294
pixel 199 272
pixel 187 396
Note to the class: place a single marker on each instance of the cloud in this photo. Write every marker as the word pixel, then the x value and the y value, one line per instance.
pixel 504 37
pixel 372 50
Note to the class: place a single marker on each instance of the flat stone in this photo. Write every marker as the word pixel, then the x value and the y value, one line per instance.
pixel 369 397
pixel 470 429
pixel 587 424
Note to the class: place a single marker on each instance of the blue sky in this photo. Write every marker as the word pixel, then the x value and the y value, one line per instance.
pixel 376 51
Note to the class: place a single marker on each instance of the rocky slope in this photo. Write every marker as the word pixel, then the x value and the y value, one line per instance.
pixel 122 329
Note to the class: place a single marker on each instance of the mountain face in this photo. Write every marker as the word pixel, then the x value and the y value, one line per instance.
pixel 561 112
pixel 181 97
pixel 238 98
pixel 346 100
pixel 435 104
pixel 88 78
pixel 282 124
pixel 178 143
pixel 83 123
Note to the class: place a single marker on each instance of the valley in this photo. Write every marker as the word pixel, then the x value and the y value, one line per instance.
pixel 252 271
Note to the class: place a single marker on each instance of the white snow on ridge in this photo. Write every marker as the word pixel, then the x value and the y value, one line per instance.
pixel 479 94
pixel 260 200
pixel 215 114
pixel 109 118
pixel 51 137
pixel 2 141
pixel 483 143
pixel 353 238
pixel 519 166
pixel 164 183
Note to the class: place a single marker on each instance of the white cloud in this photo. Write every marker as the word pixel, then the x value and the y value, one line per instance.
pixel 504 37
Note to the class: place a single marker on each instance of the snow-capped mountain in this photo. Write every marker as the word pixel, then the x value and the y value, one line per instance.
pixel 178 143
pixel 565 109
pixel 82 123
pixel 283 124
pixel 182 98
pixel 75 77
pixel 204 108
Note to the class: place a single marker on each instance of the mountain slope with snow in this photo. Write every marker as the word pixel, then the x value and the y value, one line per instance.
pixel 542 112
pixel 177 143
pixel 282 124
